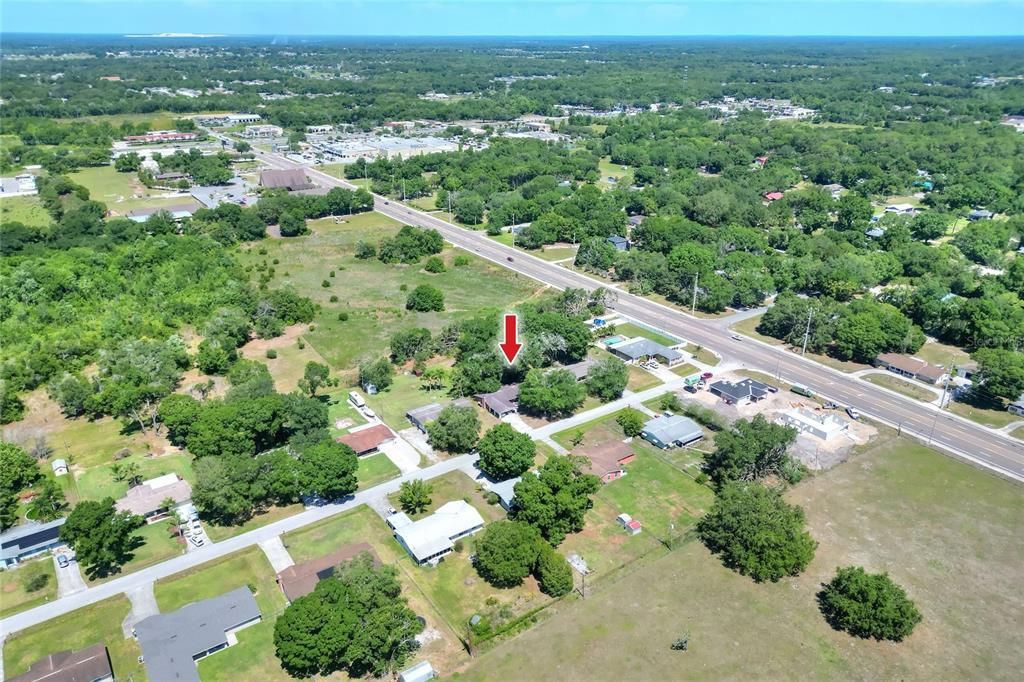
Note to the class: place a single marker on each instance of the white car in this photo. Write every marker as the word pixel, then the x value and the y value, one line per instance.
pixel 196 540
pixel 854 414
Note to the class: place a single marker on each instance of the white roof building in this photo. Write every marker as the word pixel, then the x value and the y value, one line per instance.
pixel 421 672
pixel 824 426
pixel 430 538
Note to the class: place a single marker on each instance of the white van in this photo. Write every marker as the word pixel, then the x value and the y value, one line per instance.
pixel 356 399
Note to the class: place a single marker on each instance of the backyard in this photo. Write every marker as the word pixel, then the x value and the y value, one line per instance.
pixel 956 548
pixel 15 595
pixel 157 545
pixel 455 486
pixel 25 210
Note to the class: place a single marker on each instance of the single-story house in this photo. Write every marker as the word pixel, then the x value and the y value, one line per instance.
pixel 290 179
pixel 421 672
pixel 27 540
pixel 834 189
pixel 430 539
pixel 635 350
pixel 91 664
pixel 875 232
pixel 821 424
pixel 176 211
pixel 761 160
pixel 665 432
pixel 172 642
pixel 506 492
pixel 366 441
pixel 301 579
pixel 914 368
pixel 901 209
pixel 1017 406
pixel 980 214
pixel 620 243
pixel 580 369
pixel 60 467
pixel 608 460
pixel 422 416
pixel 501 402
pixel 147 499
pixel 772 196
pixel 740 392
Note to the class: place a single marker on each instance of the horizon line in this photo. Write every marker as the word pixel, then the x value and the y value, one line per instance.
pixel 209 35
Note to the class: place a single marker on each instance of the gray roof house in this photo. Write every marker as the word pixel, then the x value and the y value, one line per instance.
pixel 173 642
pixel 665 432
pixel 641 348
pixel 503 401
pixel 739 392
pixel 27 540
pixel 422 416
pixel 580 369
pixel 1017 406
pixel 421 672
pixel 620 243
pixel 91 664
pixel 506 492
pixel 980 214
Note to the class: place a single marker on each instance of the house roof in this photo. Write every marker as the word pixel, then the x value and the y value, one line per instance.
pixel 503 400
pixel 301 579
pixel 429 413
pixel 875 232
pixel 433 534
pixel 25 537
pixel 617 240
pixel 580 369
pixel 773 196
pixel 829 423
pixel 506 490
pixel 146 498
pixel 911 365
pixel 291 179
pixel 644 347
pixel 421 672
pixel 740 390
pixel 84 665
pixel 980 213
pixel 1019 401
pixel 606 457
pixel 676 428
pixel 169 641
pixel 368 439
pixel 176 210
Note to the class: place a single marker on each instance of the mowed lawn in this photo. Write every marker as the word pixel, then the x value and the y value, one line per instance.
pixel 122 192
pixel 98 482
pixel 14 593
pixel 901 386
pixel 947 532
pixel 455 485
pixel 375 469
pixel 157 545
pixel 370 291
pixel 25 210
pixel 100 622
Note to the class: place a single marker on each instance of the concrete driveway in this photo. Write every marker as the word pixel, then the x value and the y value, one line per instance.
pixel 276 553
pixel 418 440
pixel 401 454
pixel 69 578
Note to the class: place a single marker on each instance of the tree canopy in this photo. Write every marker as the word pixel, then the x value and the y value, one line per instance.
pixel 556 501
pixel 505 453
pixel 868 605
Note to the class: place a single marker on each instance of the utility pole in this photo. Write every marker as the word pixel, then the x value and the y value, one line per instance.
pixel 807 331
pixel 512 230
pixel 693 307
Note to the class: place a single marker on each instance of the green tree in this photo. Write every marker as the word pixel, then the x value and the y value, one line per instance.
pixel 434 378
pixel 507 552
pixel 379 373
pixel 551 393
pixel 1000 372
pixel 227 488
pixel 127 163
pixel 456 429
pixel 756 532
pixel 469 209
pixel 72 393
pixel 435 264
pixel 505 453
pixel 868 605
pixel 315 376
pixel 410 343
pixel 414 496
pixel 356 621
pixel 632 421
pixel 18 472
pixel 750 450
pixel 103 538
pixel 329 470
pixel 556 501
pixel 607 379
pixel 425 299
pixel 292 224
pixel 215 356
pixel 48 503
pixel 553 572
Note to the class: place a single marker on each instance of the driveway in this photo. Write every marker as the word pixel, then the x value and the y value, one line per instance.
pixel 418 440
pixel 401 454
pixel 143 606
pixel 277 555
pixel 69 578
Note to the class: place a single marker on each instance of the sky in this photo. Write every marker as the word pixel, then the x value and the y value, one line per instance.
pixel 519 17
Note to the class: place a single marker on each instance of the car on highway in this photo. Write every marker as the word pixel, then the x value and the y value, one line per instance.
pixel 510 259
pixel 854 414
pixel 736 337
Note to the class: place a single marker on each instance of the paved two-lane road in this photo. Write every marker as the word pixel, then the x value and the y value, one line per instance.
pixel 985 447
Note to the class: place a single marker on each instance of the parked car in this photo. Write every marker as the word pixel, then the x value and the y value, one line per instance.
pixel 63 561
pixel 854 414
pixel 805 392
pixel 706 375
pixel 830 406
pixel 196 540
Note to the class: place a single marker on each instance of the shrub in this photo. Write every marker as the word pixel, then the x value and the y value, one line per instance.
pixel 334 298
pixel 325 284
pixel 553 573
pixel 271 353
pixel 302 344
pixel 435 264
pixel 632 422
pixel 425 298
pixel 461 260
pixel 36 582
pixel 332 273
pixel 868 605
pixel 277 261
pixel 342 317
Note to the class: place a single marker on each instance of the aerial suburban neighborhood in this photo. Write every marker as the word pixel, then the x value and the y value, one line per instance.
pixel 403 354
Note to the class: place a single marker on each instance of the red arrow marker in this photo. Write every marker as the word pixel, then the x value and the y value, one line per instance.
pixel 510 347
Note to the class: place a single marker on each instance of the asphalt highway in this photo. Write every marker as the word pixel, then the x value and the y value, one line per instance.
pixel 950 433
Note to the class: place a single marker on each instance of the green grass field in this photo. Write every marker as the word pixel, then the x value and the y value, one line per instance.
pixel 907 388
pixel 942 354
pixel 685 370
pixel 403 395
pixel 25 210
pixel 118 190
pixel 375 469
pixel 358 525
pixel 947 532
pixel 701 354
pixel 100 622
pixel 218 533
pixel 14 596
pixel 607 169
pixel 996 417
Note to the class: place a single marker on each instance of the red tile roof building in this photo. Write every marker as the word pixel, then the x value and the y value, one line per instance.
pixel 367 440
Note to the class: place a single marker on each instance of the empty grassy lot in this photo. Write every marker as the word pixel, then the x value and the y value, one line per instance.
pixel 25 210
pixel 14 596
pixel 157 545
pixel 370 292
pixel 218 533
pixel 100 622
pixel 902 386
pixel 629 330
pixel 948 532
pixel 122 192
pixel 995 416
pixel 375 469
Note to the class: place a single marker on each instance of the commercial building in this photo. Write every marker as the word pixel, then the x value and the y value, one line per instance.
pixel 291 179
pixel 147 499
pixel 909 366
pixel 422 416
pixel 740 392
pixel 218 120
pixel 161 137
pixel 28 540
pixel 172 643
pixel 666 432
pixel 820 424
pixel 640 349
pixel 501 402
pixel 1017 406
pixel 366 441
pixel 430 539
pixel 262 131
pixel 608 460
pixel 91 664
pixel 301 579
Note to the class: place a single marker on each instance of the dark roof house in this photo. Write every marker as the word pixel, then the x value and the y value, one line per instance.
pixel 27 540
pixel 301 579
pixel 91 664
pixel 608 460
pixel 172 642
pixel 501 402
pixel 620 243
pixel 422 416
pixel 291 179
pixel 367 440
pixel 736 393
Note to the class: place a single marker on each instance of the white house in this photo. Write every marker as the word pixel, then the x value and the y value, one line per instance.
pixel 430 539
